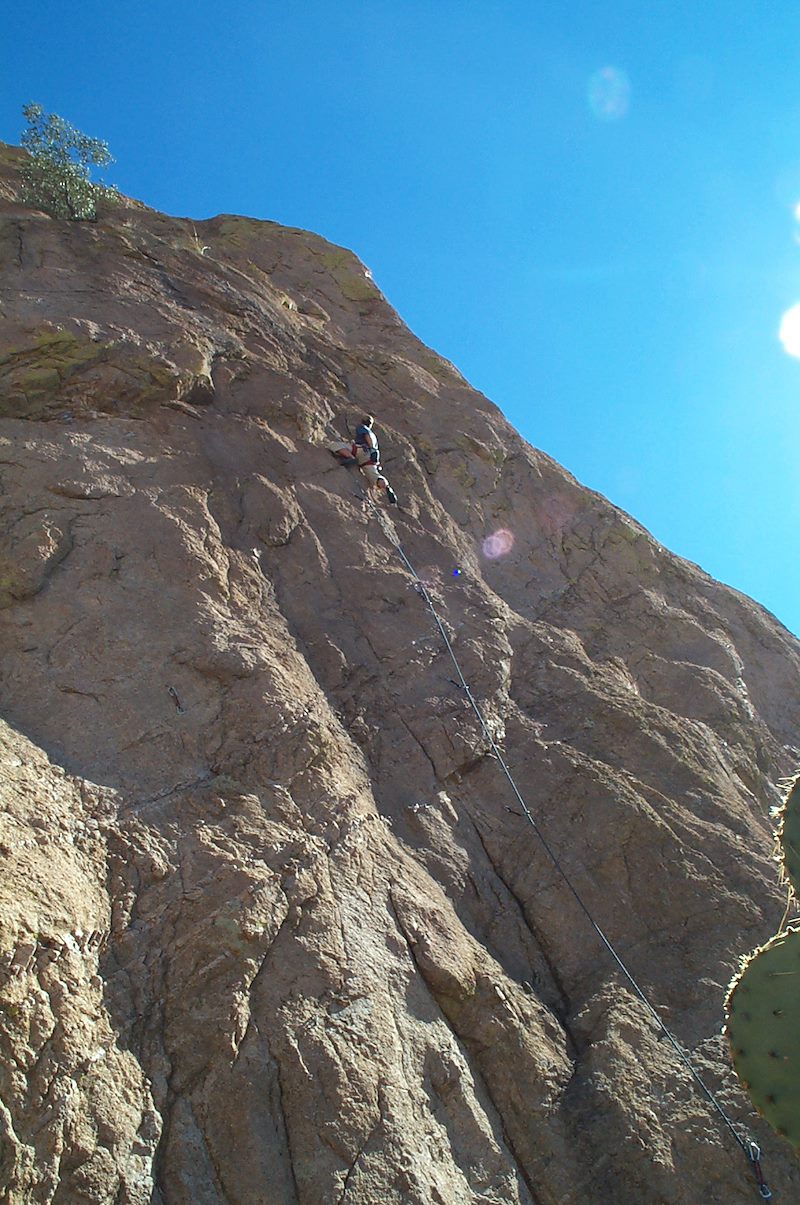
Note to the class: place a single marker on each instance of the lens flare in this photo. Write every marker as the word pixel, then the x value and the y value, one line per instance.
pixel 498 544
pixel 609 94
pixel 789 332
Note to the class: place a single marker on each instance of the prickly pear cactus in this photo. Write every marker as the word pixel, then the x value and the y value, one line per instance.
pixel 789 833
pixel 763 1007
pixel 764 1032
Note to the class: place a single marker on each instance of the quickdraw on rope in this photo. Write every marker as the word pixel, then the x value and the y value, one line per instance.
pixel 754 1155
pixel 748 1146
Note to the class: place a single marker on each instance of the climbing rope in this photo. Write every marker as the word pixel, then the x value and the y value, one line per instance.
pixel 748 1146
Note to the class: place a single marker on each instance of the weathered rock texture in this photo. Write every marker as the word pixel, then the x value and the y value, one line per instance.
pixel 272 928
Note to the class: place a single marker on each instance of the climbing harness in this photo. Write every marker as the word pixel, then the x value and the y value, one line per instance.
pixel 748 1146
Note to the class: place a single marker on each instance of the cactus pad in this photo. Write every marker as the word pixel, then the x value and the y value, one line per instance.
pixel 790 837
pixel 764 1031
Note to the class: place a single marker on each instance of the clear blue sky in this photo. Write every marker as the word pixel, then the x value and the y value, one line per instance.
pixel 588 208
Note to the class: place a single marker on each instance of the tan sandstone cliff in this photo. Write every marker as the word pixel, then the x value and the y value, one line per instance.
pixel 272 929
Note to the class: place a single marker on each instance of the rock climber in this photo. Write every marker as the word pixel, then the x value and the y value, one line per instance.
pixel 363 452
pixel 366 441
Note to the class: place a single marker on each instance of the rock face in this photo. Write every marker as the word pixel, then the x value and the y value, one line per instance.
pixel 272 925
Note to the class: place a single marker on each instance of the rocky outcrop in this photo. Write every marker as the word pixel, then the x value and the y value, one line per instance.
pixel 272 926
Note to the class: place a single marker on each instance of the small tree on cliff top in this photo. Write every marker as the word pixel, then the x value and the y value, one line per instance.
pixel 57 177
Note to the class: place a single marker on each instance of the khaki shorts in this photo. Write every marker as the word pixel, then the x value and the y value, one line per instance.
pixel 372 473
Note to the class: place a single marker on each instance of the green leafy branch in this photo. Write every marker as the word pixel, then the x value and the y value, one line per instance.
pixel 57 178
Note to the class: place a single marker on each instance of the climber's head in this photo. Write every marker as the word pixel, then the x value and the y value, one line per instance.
pixel 367 420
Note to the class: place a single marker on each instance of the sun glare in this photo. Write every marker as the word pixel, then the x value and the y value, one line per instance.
pixel 498 544
pixel 609 94
pixel 789 333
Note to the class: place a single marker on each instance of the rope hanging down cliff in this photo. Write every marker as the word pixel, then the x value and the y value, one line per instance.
pixel 748 1146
